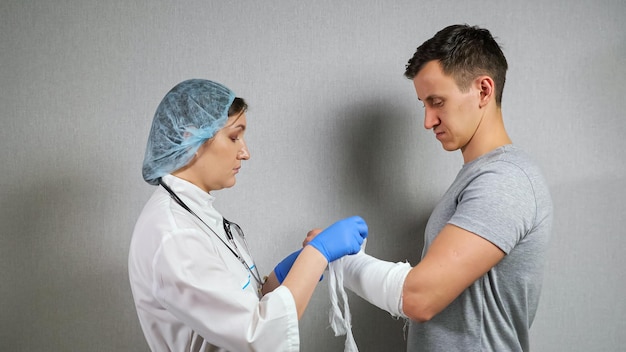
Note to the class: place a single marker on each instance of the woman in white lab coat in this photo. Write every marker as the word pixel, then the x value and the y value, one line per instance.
pixel 193 280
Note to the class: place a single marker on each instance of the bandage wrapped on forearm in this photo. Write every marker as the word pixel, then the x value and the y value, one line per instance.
pixel 377 281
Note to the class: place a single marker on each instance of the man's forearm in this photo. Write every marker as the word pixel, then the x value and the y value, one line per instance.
pixel 377 281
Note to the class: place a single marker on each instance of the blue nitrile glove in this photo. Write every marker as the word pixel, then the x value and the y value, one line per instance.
pixel 282 269
pixel 341 238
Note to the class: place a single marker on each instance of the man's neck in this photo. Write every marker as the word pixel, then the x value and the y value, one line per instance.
pixel 489 135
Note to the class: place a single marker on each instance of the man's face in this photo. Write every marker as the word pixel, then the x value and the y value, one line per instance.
pixel 453 115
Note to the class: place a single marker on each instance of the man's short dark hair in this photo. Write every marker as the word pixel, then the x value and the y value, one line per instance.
pixel 464 52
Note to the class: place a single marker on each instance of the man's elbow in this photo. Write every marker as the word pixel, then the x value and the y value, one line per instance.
pixel 418 310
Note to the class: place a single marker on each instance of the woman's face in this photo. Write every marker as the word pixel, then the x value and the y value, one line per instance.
pixel 219 159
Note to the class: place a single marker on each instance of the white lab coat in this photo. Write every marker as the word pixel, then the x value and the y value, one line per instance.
pixel 191 292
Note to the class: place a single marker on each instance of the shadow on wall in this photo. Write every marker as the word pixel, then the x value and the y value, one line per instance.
pixel 379 179
pixel 378 142
pixel 56 280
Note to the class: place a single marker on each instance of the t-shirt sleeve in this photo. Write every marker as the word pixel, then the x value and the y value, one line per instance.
pixel 498 205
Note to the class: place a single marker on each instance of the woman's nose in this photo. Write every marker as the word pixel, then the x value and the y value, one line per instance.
pixel 244 154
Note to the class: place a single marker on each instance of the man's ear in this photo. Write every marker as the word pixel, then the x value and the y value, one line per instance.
pixel 486 88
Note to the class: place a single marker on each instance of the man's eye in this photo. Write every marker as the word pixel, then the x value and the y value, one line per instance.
pixel 438 103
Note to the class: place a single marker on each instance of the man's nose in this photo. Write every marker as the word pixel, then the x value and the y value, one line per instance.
pixel 430 118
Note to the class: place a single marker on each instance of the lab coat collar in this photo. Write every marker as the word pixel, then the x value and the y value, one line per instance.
pixel 188 190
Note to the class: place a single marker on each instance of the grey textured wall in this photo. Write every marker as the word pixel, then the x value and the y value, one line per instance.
pixel 334 130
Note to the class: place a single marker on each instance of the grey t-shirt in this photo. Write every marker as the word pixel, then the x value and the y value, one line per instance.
pixel 502 197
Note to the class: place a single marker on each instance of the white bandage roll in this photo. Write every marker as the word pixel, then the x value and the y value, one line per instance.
pixel 341 322
pixel 377 281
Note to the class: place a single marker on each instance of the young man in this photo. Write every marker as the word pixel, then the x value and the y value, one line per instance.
pixel 478 283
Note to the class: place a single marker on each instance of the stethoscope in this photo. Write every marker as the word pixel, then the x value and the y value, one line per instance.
pixel 253 270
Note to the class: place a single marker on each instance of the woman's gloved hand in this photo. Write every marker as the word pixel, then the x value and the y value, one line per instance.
pixel 341 238
pixel 282 269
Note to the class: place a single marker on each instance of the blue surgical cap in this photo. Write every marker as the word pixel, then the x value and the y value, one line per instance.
pixel 189 114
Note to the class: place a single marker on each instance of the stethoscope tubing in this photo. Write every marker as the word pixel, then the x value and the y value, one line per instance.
pixel 229 235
